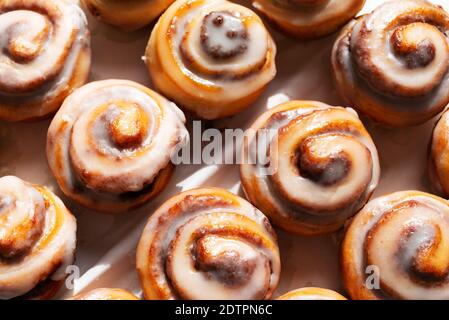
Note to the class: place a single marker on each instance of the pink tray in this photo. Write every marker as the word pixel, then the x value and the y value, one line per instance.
pixel 106 244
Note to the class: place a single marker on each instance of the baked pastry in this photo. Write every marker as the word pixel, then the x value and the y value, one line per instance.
pixel 105 294
pixel 127 14
pixel 212 57
pixel 316 170
pixel 312 294
pixel 45 54
pixel 37 240
pixel 439 156
pixel 308 19
pixel 110 145
pixel 393 64
pixel 208 244
pixel 397 248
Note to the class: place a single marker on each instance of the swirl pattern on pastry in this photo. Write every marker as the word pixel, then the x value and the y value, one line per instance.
pixel 439 156
pixel 208 244
pixel 37 240
pixel 323 166
pixel 308 19
pixel 213 57
pixel 110 144
pixel 393 64
pixel 105 294
pixel 127 14
pixel 45 54
pixel 405 236
pixel 312 294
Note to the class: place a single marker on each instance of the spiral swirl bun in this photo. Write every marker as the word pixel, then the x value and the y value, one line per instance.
pixel 308 19
pixel 127 14
pixel 208 244
pixel 439 156
pixel 312 294
pixel 393 63
pixel 106 294
pixel 405 236
pixel 111 143
pixel 37 240
pixel 213 57
pixel 45 54
pixel 323 166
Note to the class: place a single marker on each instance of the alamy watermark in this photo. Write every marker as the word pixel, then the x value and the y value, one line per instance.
pixel 212 146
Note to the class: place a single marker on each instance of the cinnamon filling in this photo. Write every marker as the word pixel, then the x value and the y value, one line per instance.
pixel 319 167
pixel 228 266
pixel 414 54
pixel 129 127
pixel 223 35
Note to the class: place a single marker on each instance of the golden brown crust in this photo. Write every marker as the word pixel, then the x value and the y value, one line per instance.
pixel 438 162
pixel 105 294
pixel 61 58
pixel 311 294
pixel 208 243
pixel 45 290
pixel 129 15
pixel 396 248
pixel 322 166
pixel 202 76
pixel 392 64
pixel 41 244
pixel 114 156
pixel 309 19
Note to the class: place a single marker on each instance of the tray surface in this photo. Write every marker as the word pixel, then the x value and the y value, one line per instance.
pixel 106 243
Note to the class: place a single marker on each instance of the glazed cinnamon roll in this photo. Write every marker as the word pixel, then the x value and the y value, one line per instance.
pixel 127 14
pixel 312 294
pixel 110 145
pixel 45 54
pixel 105 294
pixel 308 19
pixel 208 244
pixel 397 248
pixel 439 156
pixel 37 240
pixel 321 166
pixel 392 64
pixel 213 57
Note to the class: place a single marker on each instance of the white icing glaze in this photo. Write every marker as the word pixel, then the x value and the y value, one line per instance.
pixel 394 253
pixel 54 247
pixel 171 236
pixel 50 41
pixel 201 78
pixel 86 140
pixel 321 204
pixel 392 64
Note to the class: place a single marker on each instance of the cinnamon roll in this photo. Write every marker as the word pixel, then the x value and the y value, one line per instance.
pixel 105 294
pixel 208 244
pixel 321 166
pixel 439 156
pixel 129 14
pixel 37 240
pixel 397 248
pixel 213 57
pixel 312 294
pixel 45 54
pixel 308 19
pixel 392 64
pixel 110 145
